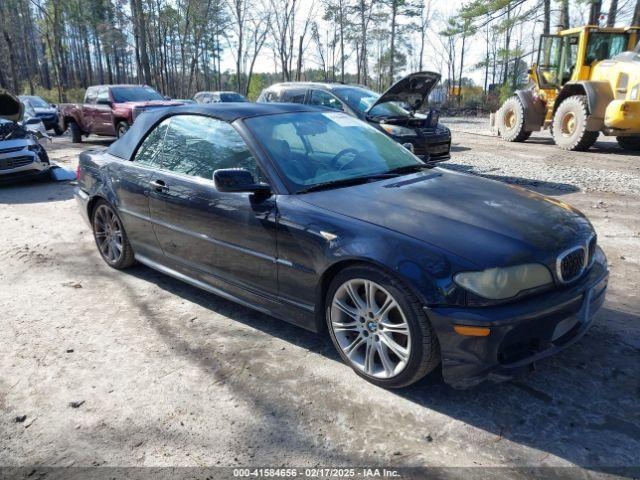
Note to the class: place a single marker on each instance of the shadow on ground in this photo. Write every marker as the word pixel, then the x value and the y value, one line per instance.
pixel 35 191
pixel 539 186
pixel 581 405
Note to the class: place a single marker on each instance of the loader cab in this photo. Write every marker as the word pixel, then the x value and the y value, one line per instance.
pixel 558 59
pixel 570 54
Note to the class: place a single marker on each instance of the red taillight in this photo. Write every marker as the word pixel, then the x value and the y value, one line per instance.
pixel 78 172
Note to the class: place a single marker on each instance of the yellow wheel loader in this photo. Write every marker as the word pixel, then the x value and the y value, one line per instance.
pixel 586 82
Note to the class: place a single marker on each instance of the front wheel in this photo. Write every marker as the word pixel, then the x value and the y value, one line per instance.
pixel 121 129
pixel 379 328
pixel 570 125
pixel 57 130
pixel 110 236
pixel 629 143
pixel 76 134
pixel 511 121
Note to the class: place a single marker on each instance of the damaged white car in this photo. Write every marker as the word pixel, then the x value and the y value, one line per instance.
pixel 21 155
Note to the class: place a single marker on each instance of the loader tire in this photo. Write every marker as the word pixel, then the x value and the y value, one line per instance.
pixel 629 143
pixel 511 121
pixel 570 125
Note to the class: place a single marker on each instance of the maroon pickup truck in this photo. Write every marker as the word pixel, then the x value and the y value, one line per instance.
pixel 109 110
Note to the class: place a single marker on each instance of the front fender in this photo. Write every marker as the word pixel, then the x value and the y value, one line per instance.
pixel 599 96
pixel 534 110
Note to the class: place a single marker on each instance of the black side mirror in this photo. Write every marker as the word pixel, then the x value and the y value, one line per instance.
pixel 237 180
pixel 31 121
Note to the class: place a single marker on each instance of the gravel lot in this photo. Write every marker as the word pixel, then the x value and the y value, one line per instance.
pixel 163 374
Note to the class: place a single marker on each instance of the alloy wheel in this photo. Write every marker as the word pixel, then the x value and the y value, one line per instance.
pixel 108 233
pixel 370 328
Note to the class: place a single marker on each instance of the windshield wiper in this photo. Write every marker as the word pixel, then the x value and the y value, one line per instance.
pixel 411 168
pixel 346 182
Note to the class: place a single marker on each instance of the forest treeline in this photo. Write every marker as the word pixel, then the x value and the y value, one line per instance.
pixel 59 47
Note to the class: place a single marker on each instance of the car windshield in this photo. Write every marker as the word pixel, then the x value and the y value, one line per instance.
pixel 134 94
pixel 232 97
pixel 318 148
pixel 361 99
pixel 36 102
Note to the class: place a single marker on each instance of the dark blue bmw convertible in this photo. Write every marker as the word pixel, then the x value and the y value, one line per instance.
pixel 317 218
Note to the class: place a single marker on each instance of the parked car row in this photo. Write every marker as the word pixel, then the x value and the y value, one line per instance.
pixel 400 112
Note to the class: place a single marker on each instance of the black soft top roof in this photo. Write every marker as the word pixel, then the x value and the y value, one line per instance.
pixel 228 112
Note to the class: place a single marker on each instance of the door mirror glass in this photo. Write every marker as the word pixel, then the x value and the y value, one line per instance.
pixel 237 180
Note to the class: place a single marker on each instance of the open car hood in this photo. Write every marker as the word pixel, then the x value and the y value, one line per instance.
pixel 11 108
pixel 414 89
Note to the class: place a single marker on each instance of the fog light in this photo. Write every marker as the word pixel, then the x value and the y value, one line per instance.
pixel 471 331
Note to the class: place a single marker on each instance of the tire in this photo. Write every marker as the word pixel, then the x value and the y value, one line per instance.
pixel 631 142
pixel 57 130
pixel 511 121
pixel 382 336
pixel 121 128
pixel 570 125
pixel 76 134
pixel 106 224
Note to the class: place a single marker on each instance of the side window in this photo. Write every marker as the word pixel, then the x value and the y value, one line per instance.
pixel 198 146
pixel 90 96
pixel 150 151
pixel 293 96
pixel 103 96
pixel 324 99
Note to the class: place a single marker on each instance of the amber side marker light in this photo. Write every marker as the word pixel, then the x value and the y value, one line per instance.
pixel 471 331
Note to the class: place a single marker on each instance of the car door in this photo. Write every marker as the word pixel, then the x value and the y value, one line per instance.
pixel 325 99
pixel 230 236
pixel 103 117
pixel 130 181
pixel 89 109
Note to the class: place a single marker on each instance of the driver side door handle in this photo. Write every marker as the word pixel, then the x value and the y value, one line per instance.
pixel 159 186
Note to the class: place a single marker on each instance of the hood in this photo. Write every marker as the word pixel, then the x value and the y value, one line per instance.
pixel 488 223
pixel 11 108
pixel 414 90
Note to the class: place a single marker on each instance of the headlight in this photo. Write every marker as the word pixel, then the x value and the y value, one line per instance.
pixel 501 283
pixel 397 130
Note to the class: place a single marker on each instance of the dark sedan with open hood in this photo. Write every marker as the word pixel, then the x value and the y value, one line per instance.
pixel 319 219
pixel 401 112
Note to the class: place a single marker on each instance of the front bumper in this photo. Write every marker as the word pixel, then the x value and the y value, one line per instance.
pixel 520 333
pixel 21 164
pixel 433 147
pixel 623 115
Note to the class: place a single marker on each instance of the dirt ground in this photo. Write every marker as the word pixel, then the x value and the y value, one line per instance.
pixel 163 374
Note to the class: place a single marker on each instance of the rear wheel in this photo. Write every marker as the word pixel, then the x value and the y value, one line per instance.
pixel 511 121
pixel 121 128
pixel 379 328
pixel 76 134
pixel 570 125
pixel 629 143
pixel 110 236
